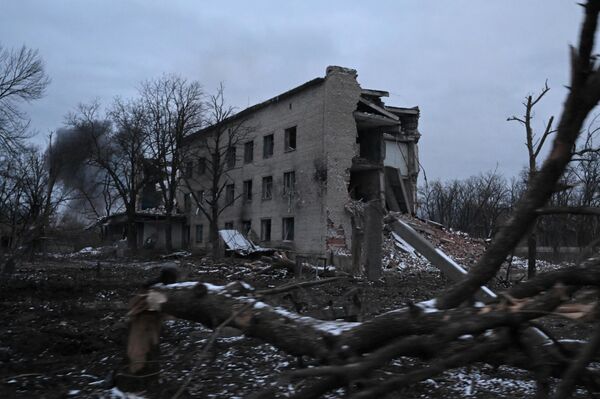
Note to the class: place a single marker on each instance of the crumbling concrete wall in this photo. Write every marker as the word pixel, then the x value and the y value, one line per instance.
pixel 342 93
pixel 304 110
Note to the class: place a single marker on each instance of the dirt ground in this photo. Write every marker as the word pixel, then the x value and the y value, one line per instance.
pixel 63 332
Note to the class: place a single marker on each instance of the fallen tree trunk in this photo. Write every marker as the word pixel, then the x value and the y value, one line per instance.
pixel 351 351
pixel 211 305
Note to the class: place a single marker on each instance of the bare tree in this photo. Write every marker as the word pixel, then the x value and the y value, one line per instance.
pixel 216 154
pixel 118 147
pixel 173 108
pixel 473 205
pixel 534 144
pixel 583 96
pixel 97 197
pixel 22 78
pixel 583 179
pixel 11 194
pixel 29 196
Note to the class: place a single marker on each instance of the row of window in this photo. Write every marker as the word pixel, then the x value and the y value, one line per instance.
pixel 287 229
pixel 289 144
pixel 289 187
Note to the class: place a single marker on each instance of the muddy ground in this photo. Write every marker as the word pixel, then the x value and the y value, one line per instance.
pixel 63 332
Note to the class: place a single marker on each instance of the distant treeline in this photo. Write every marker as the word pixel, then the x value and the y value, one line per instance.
pixel 479 205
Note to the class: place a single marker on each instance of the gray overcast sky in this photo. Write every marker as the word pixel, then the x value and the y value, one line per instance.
pixel 467 64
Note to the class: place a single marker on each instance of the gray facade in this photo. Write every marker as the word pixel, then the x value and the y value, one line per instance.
pixel 330 139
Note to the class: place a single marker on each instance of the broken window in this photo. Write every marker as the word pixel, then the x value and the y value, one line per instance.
pixel 289 183
pixel 248 190
pixel 189 170
pixel 287 229
pixel 267 187
pixel 290 139
pixel 265 230
pixel 201 165
pixel 231 157
pixel 249 152
pixel 246 227
pixel 229 194
pixel 268 142
pixel 199 232
pixel 228 225
pixel 187 202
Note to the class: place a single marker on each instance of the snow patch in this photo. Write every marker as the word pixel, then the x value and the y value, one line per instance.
pixel 184 284
pixel 428 306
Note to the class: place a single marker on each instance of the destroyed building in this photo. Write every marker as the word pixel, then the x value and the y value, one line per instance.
pixel 316 153
pixel 151 220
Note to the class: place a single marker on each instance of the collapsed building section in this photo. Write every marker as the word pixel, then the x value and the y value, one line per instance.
pixel 388 157
pixel 314 174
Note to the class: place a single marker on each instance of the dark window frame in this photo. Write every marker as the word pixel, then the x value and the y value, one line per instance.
pixel 231 157
pixel 268 146
pixel 247 190
pixel 249 151
pixel 285 229
pixel 265 233
pixel 266 182
pixel 229 193
pixel 246 227
pixel 289 182
pixel 290 139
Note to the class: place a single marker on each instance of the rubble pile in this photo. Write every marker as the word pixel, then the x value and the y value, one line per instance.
pixel 465 250
pixel 399 255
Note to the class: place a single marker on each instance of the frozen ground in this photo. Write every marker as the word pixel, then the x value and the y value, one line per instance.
pixel 63 330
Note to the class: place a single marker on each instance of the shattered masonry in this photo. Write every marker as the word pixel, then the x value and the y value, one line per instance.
pixel 349 147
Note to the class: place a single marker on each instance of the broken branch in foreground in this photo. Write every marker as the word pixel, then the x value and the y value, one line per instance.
pixel 583 96
pixel 351 352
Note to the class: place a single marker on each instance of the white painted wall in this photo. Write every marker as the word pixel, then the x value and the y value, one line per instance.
pixel 396 156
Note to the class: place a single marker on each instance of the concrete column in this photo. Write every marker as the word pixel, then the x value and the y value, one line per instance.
pixel 373 239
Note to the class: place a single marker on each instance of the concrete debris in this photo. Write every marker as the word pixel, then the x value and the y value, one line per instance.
pixel 399 255
pixel 237 243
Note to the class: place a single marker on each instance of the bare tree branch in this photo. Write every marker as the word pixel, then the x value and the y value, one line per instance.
pixel 584 95
pixel 22 78
pixel 569 210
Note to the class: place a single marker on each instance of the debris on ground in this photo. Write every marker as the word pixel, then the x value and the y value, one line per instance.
pixel 64 329
pixel 237 243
